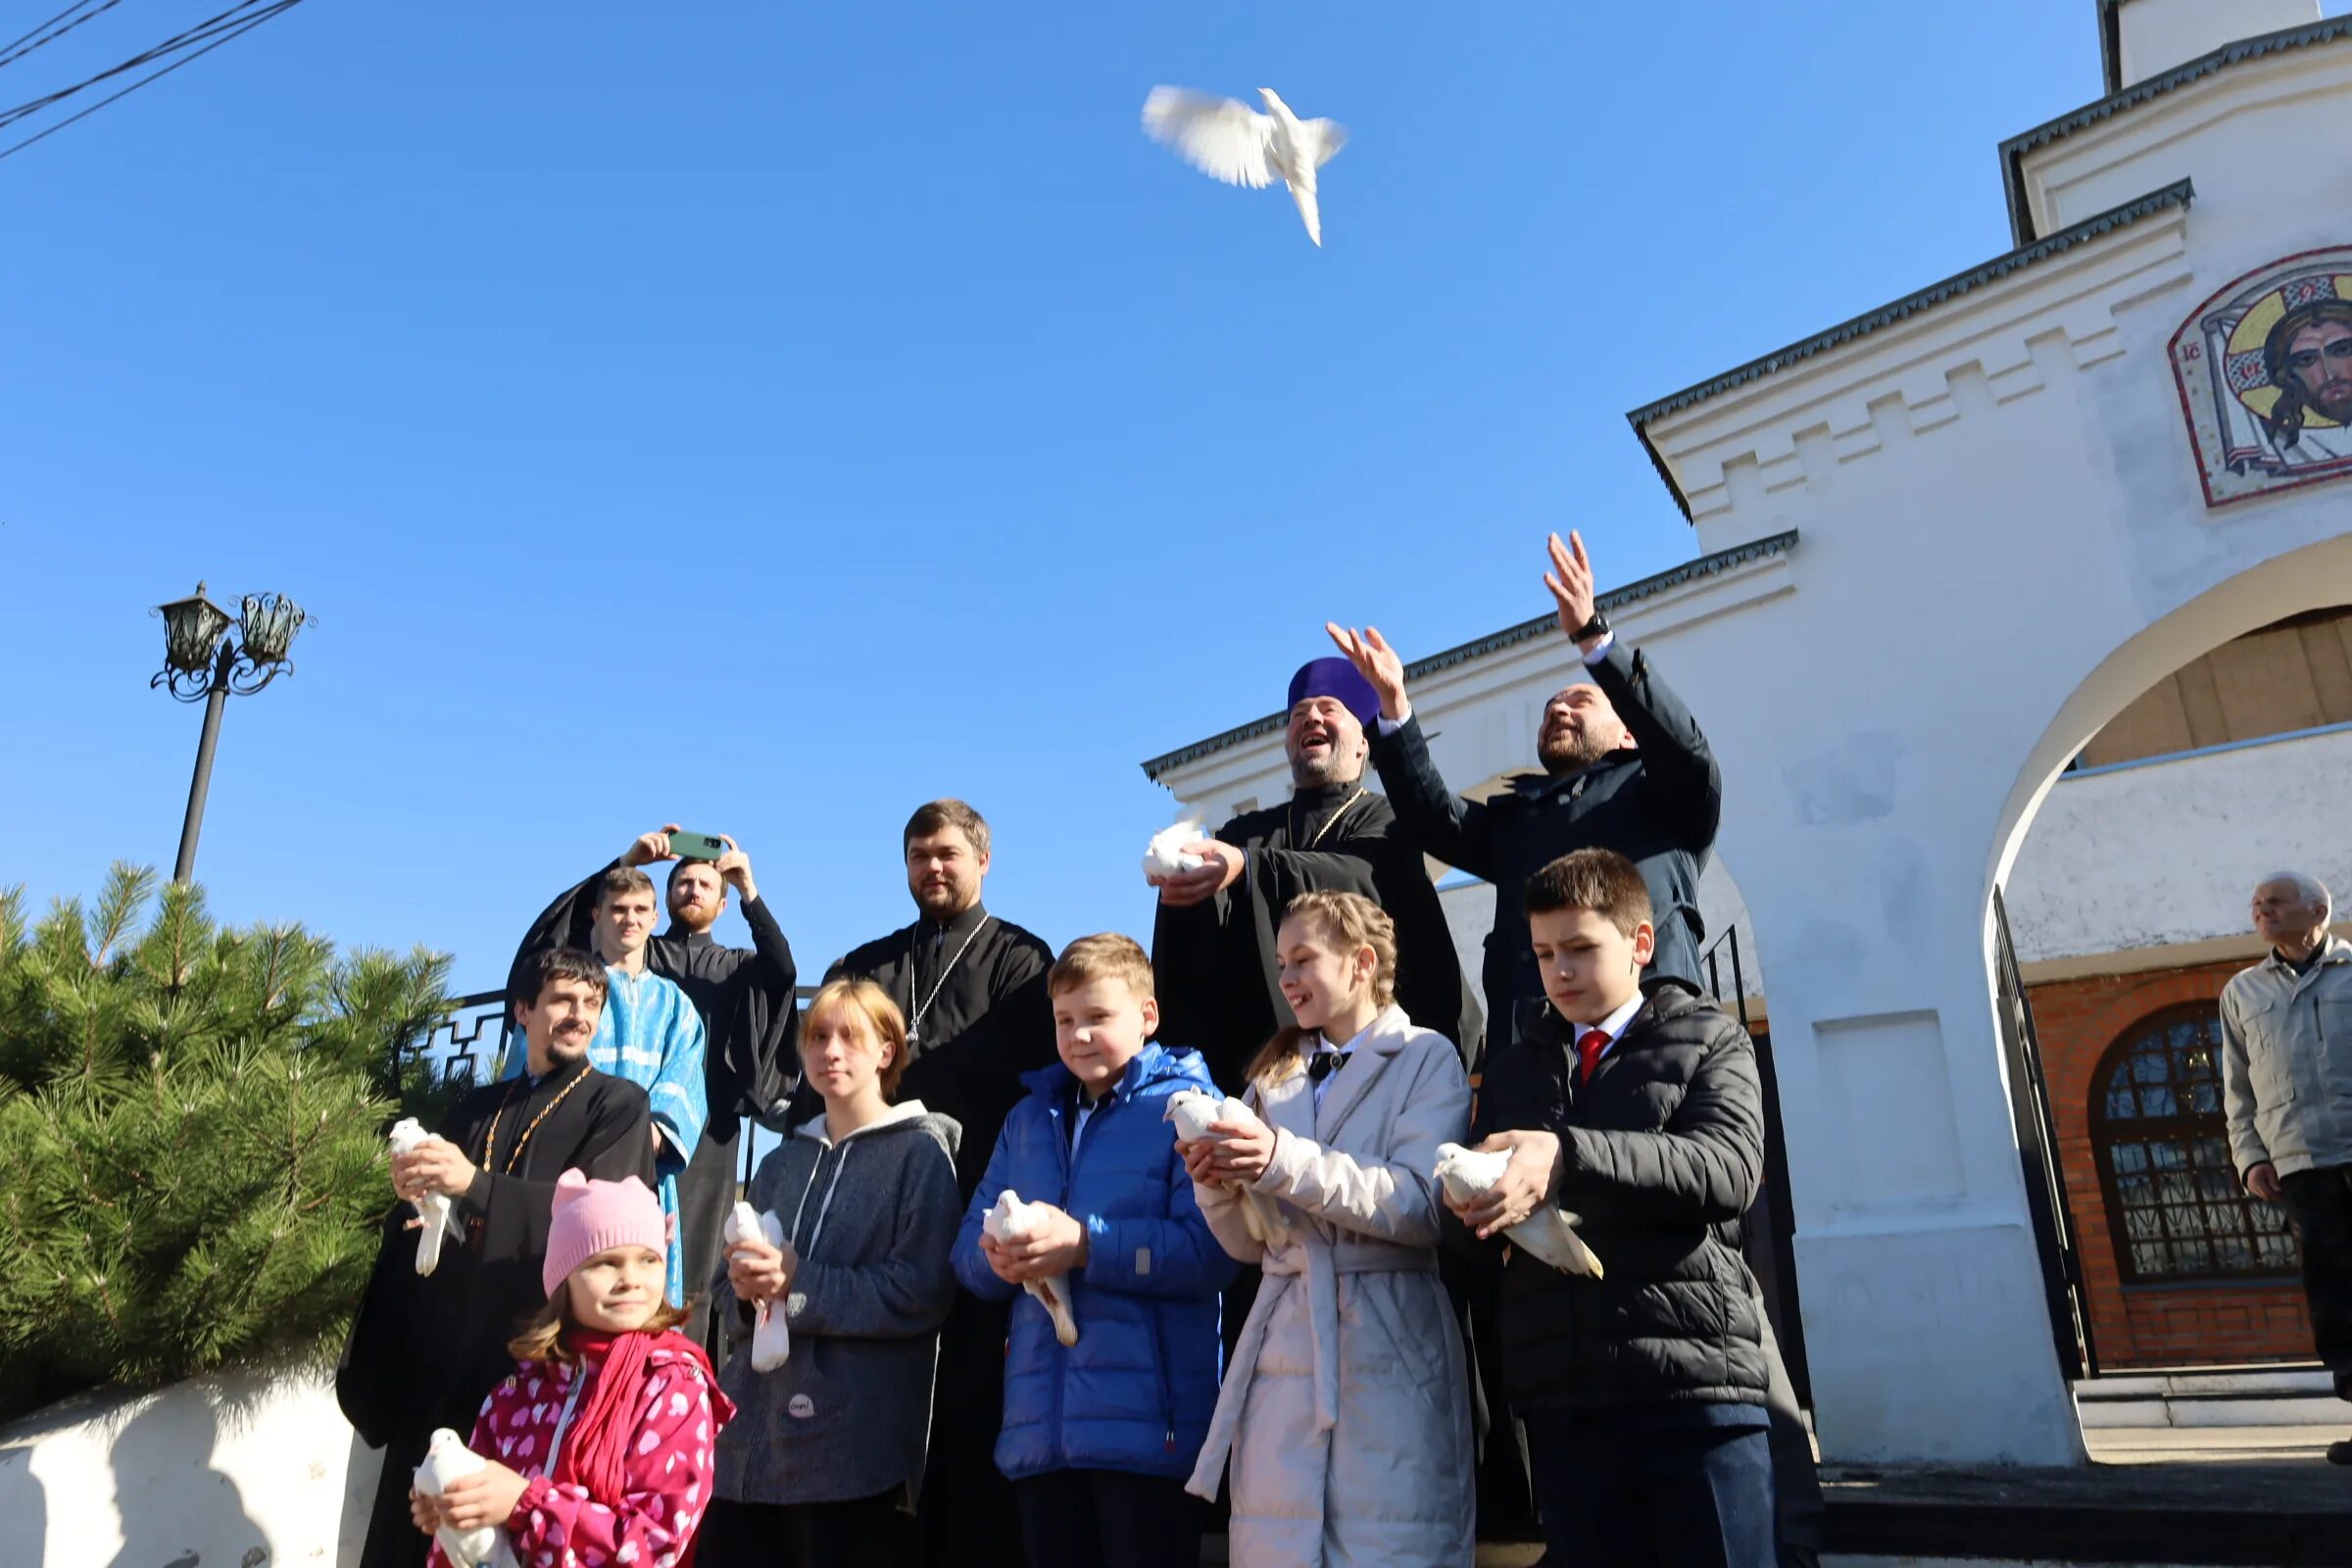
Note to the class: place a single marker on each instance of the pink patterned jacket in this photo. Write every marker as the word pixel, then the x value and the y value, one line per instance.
pixel 653 1523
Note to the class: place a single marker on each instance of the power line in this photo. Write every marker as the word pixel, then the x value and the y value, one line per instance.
pixel 51 22
pixel 228 26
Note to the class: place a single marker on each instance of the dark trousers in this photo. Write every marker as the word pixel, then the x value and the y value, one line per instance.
pixel 1615 1495
pixel 1107 1519
pixel 966 1501
pixel 869 1532
pixel 706 1197
pixel 2319 1204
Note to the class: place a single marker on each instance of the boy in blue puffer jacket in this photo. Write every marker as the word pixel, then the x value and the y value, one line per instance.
pixel 1098 1438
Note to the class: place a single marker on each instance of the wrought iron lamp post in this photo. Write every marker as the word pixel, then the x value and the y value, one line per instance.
pixel 203 661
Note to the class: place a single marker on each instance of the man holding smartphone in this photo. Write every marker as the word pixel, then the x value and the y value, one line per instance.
pixel 743 997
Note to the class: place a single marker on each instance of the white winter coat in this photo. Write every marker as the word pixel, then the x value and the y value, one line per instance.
pixel 1347 1409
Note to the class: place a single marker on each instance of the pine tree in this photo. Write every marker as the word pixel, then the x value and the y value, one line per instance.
pixel 192 1165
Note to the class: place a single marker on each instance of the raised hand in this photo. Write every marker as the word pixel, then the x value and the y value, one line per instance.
pixel 1570 580
pixel 735 868
pixel 646 847
pixel 1374 659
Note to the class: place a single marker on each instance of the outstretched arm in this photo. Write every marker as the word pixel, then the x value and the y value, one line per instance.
pixel 1457 831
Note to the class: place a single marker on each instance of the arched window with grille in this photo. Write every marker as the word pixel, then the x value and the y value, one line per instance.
pixel 2174 1202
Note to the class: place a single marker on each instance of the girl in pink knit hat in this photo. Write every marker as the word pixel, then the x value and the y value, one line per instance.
pixel 599 1447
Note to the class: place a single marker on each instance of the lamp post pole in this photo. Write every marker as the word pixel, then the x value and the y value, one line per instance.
pixel 202 660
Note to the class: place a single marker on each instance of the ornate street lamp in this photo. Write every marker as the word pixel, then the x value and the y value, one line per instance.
pixel 203 662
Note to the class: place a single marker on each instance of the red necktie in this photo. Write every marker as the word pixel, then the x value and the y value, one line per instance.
pixel 1588 1047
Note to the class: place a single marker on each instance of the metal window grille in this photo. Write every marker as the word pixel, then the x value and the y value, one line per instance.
pixel 2174 1201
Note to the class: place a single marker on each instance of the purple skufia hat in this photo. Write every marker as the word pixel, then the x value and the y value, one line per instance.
pixel 1334 677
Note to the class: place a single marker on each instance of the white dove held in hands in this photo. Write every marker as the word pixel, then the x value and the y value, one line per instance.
pixel 1192 1110
pixel 445 1459
pixel 1164 856
pixel 1226 139
pixel 407 1136
pixel 1013 1220
pixel 772 1331
pixel 1548 1234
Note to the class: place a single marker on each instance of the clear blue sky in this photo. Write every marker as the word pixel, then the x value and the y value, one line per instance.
pixel 769 417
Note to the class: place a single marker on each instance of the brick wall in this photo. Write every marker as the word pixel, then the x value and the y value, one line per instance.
pixel 2146 1325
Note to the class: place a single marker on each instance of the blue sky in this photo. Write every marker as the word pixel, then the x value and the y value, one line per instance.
pixel 769 417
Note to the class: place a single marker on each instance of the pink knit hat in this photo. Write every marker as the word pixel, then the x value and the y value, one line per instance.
pixel 593 1217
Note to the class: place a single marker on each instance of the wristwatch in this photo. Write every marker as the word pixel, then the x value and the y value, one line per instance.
pixel 1597 626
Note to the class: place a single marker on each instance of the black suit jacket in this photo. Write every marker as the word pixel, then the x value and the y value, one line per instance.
pixel 1657 804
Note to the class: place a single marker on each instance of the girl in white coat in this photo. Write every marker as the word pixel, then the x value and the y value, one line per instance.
pixel 1347 1409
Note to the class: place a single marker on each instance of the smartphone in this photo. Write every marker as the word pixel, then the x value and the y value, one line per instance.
pixel 697 845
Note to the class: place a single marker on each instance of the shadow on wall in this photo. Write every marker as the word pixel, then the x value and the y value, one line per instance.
pixel 177 1510
pixel 21 1502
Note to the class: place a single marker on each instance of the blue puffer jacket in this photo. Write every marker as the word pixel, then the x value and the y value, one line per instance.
pixel 1136 1391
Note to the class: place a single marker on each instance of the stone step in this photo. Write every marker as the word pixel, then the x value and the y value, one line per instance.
pixel 2245 1396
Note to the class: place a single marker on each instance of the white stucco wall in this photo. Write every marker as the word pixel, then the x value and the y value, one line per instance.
pixel 2164 852
pixel 222 1472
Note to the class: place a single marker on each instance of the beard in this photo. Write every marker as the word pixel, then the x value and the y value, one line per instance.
pixel 1565 750
pixel 2333 400
pixel 1332 768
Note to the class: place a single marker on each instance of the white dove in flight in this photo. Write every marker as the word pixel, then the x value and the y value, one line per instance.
pixel 1228 140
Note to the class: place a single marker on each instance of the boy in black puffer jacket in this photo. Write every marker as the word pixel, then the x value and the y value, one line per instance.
pixel 1642 1390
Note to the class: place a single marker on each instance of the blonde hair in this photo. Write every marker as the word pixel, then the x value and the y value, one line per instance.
pixel 1349 921
pixel 871 1006
pixel 541 1335
pixel 1105 955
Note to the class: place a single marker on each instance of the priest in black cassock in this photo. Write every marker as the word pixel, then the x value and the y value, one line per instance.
pixel 1212 947
pixel 745 996
pixel 426 1349
pixel 973 991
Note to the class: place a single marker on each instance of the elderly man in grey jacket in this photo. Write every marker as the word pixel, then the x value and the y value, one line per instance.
pixel 2287 1080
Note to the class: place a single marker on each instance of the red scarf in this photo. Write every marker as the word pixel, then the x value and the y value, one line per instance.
pixel 595 1450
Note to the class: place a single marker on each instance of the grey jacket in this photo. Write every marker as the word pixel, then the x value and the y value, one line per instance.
pixel 872 1219
pixel 2287 1062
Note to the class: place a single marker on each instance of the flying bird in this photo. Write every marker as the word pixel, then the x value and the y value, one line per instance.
pixel 407 1137
pixel 445 1459
pixel 1226 139
pixel 1013 1220
pixel 771 1333
pixel 1192 1110
pixel 1549 1233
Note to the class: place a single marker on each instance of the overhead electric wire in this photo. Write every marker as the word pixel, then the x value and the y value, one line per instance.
pixel 213 32
pixel 77 5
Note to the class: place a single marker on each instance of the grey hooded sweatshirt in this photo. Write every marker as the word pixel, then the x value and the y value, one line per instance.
pixel 872 1218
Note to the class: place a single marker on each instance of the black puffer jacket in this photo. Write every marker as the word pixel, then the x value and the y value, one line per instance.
pixel 1662 1155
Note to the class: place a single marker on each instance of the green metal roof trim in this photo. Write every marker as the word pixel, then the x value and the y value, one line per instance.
pixel 2013 151
pixel 2177 194
pixel 1721 560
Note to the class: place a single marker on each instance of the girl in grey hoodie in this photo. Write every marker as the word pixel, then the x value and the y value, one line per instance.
pixel 825 1453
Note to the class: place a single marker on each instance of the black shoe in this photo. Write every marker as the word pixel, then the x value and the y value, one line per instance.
pixel 2340 1452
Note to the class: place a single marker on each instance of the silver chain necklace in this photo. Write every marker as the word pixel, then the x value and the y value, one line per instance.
pixel 917 1012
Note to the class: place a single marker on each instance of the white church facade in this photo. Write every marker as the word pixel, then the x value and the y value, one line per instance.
pixel 1989 530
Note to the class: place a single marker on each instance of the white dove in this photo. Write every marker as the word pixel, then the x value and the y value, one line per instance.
pixel 1192 1110
pixel 445 1459
pixel 1163 855
pixel 1548 1234
pixel 407 1137
pixel 1013 1220
pixel 1228 140
pixel 771 1333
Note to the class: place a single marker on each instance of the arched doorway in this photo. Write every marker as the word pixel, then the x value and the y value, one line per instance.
pixel 2178 787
